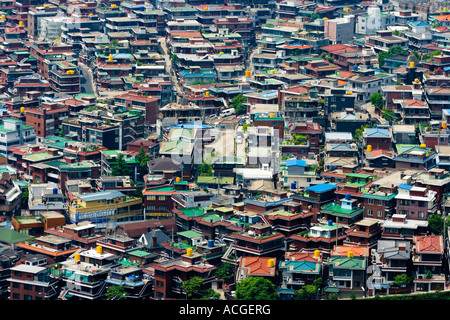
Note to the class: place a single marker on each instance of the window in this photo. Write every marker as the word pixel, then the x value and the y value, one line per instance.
pixel 151 197
pixel 380 202
pixel 379 213
pixel 369 212
pixel 151 208
pixel 370 201
pixel 162 198
pixel 421 215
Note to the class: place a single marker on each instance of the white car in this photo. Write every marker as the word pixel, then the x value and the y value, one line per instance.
pixel 239 139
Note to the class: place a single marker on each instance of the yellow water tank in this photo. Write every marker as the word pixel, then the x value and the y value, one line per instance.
pixel 110 58
pixel 207 94
pixel 2 17
pixel 325 18
pixel 350 254
pixel 178 179
pixel 20 23
pixel 221 52
pixel 270 263
pixel 412 64
pixel 247 73
pixel 76 256
pixel 349 92
pixel 205 8
pixel 444 125
pixel 22 109
pixel 99 249
pixel 423 145
pixel 416 80
pixel 316 253
pixel 445 9
pixel 369 148
pixel 114 6
pixel 189 252
pixel 272 115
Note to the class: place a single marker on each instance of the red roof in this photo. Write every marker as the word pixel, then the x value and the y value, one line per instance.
pixel 429 244
pixel 414 102
pixel 258 265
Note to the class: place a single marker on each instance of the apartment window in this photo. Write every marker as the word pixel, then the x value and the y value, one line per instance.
pixel 403 212
pixel 151 197
pixel 369 212
pixel 421 214
pixel 380 202
pixel 379 213
pixel 162 198
pixel 163 208
pixel 151 208
pixel 370 201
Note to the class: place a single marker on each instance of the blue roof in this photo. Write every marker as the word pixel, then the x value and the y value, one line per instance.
pixel 377 133
pixel 405 186
pixel 191 126
pixel 295 162
pixel 319 188
pixel 102 195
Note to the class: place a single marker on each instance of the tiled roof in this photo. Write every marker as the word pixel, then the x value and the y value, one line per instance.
pixel 429 244
pixel 258 265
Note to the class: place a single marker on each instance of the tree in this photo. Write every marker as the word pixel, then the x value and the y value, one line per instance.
pixel 256 288
pixel 25 195
pixel 377 100
pixel 143 159
pixel 315 16
pixel 393 51
pixel 116 293
pixel 210 294
pixel 205 169
pixel 436 224
pixel 192 286
pixel 306 293
pixel 402 280
pixel 121 167
pixel 225 271
pixel 238 104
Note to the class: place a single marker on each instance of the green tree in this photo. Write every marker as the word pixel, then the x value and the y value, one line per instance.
pixel 402 280
pixel 306 293
pixel 428 274
pixel 192 287
pixel 381 57
pixel 256 288
pixel 120 168
pixel 116 293
pixel 205 169
pixel 377 100
pixel 315 16
pixel 210 294
pixel 25 195
pixel 238 104
pixel 225 271
pixel 436 223
pixel 143 159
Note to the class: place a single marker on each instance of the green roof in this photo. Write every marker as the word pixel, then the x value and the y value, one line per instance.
pixel 358 175
pixel 11 236
pixel 213 217
pixel 190 234
pixel 38 156
pixel 139 253
pixel 337 210
pixel 347 263
pixel 208 179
